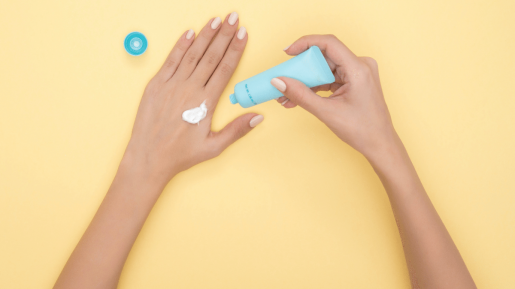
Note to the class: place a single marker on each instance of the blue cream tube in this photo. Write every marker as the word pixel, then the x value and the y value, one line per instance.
pixel 308 67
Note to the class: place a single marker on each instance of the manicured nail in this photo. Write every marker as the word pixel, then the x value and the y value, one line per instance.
pixel 284 102
pixel 241 33
pixel 279 84
pixel 233 18
pixel 190 34
pixel 256 120
pixel 287 47
pixel 216 22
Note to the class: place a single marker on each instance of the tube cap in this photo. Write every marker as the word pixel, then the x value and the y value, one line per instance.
pixel 233 99
pixel 135 43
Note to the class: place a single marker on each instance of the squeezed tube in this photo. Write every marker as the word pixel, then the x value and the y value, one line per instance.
pixel 309 67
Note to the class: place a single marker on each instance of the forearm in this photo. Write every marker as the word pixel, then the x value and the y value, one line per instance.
pixel 98 259
pixel 433 259
pixel 162 144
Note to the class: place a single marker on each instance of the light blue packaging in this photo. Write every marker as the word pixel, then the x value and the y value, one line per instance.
pixel 309 67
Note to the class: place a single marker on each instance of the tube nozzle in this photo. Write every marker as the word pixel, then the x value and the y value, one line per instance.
pixel 233 99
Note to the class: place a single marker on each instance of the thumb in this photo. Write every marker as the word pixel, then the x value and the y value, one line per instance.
pixel 298 93
pixel 236 129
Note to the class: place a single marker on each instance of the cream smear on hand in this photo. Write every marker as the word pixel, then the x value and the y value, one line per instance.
pixel 195 115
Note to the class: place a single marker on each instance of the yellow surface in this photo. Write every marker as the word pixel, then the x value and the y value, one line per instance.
pixel 289 206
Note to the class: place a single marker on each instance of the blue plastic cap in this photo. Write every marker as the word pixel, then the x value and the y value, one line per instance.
pixel 233 99
pixel 135 43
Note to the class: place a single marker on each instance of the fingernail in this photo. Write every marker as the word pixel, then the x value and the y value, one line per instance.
pixel 241 33
pixel 287 47
pixel 190 34
pixel 233 18
pixel 279 84
pixel 284 102
pixel 216 22
pixel 256 120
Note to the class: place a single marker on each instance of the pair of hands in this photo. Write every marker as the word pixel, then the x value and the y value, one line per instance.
pixel 162 144
pixel 199 68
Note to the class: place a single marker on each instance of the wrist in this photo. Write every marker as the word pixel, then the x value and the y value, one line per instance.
pixel 389 152
pixel 138 178
pixel 393 166
pixel 385 142
pixel 137 167
pixel 132 194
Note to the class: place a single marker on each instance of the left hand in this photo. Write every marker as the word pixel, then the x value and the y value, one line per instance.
pixel 197 69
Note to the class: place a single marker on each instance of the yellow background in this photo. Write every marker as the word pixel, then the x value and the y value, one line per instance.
pixel 288 206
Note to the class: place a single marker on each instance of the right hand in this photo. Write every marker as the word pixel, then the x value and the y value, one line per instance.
pixel 356 111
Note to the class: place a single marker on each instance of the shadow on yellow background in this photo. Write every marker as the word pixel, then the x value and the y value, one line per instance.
pixel 288 206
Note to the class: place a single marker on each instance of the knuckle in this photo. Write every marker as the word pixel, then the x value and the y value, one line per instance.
pixel 237 46
pixel 239 132
pixel 370 61
pixel 225 69
pixel 300 96
pixel 190 58
pixel 182 47
pixel 170 63
pixel 303 38
pixel 365 70
pixel 211 58
pixel 332 37
pixel 152 87
pixel 214 150
pixel 227 32
pixel 207 34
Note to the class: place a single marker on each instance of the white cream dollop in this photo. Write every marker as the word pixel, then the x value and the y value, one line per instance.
pixel 195 115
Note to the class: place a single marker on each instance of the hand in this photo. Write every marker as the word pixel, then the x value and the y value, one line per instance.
pixel 356 111
pixel 197 70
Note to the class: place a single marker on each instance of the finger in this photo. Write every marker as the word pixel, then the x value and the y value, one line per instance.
pixel 299 94
pixel 331 63
pixel 281 99
pixel 327 87
pixel 284 101
pixel 332 47
pixel 197 49
pixel 216 49
pixel 323 87
pixel 289 104
pixel 235 130
pixel 174 58
pixel 225 69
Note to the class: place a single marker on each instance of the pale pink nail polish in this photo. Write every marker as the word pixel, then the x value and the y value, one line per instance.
pixel 190 34
pixel 232 18
pixel 216 22
pixel 256 120
pixel 279 84
pixel 241 33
